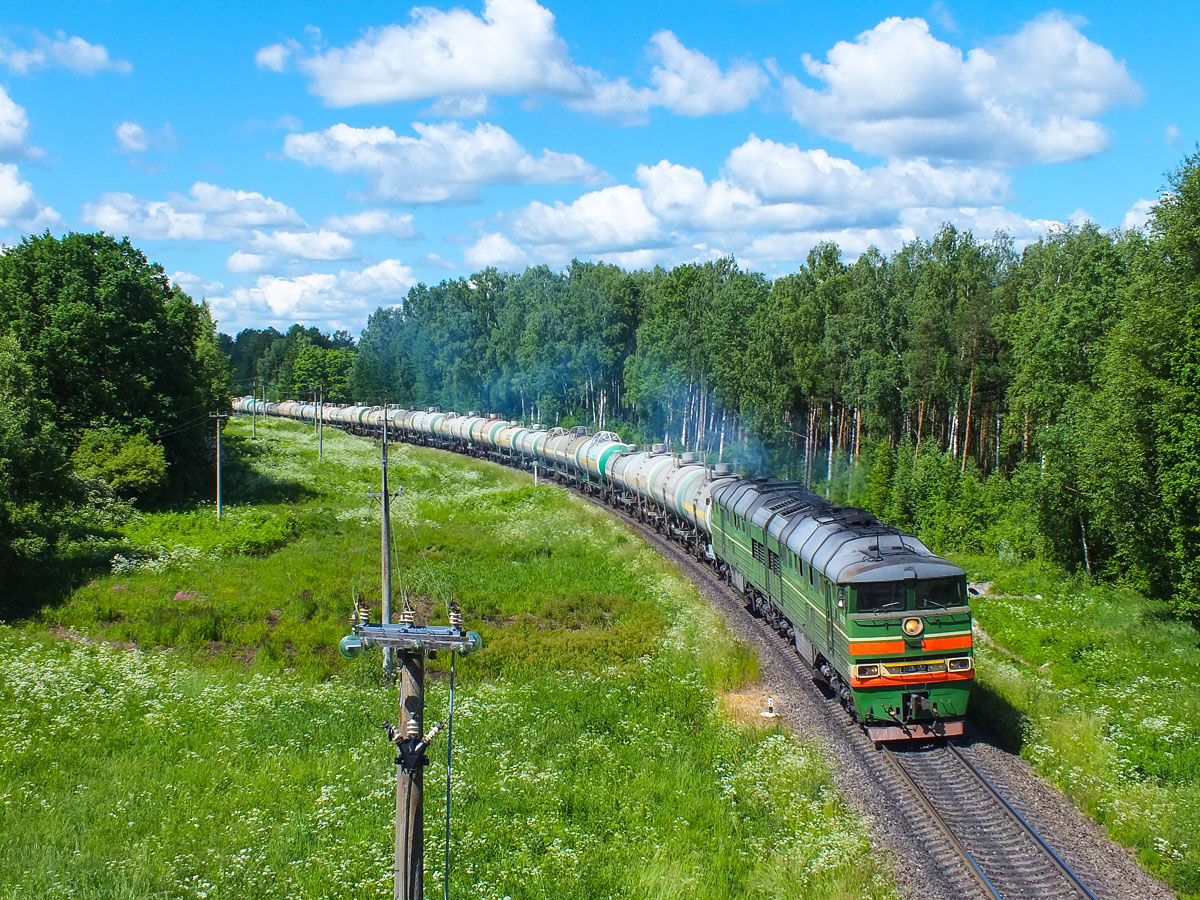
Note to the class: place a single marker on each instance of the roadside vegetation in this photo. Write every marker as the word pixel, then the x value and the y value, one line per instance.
pixel 1097 686
pixel 182 726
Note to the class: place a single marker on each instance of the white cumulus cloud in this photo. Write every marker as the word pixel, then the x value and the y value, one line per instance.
pixel 329 300
pixel 70 52
pixel 196 285
pixel 1137 216
pixel 444 163
pixel 897 91
pixel 684 81
pixel 374 221
pixel 208 213
pixel 495 250
pixel 613 218
pixel 132 137
pixel 313 245
pixel 14 127
pixel 276 56
pixel 769 205
pixel 512 49
pixel 19 205
pixel 460 60
pixel 779 172
pixel 242 262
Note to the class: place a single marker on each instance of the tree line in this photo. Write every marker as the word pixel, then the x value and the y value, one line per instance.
pixel 1040 402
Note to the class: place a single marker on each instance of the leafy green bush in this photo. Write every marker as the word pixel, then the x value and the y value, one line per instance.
pixel 241 530
pixel 132 465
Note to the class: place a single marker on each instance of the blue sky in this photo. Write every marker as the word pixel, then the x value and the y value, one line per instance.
pixel 310 162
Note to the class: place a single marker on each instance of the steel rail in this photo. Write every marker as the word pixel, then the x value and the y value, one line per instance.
pixel 1058 861
pixel 943 826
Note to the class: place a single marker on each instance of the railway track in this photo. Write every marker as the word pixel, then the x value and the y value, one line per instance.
pixel 995 846
pixel 980 844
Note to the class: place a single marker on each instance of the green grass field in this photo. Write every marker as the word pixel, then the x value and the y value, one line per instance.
pixel 1100 689
pixel 182 726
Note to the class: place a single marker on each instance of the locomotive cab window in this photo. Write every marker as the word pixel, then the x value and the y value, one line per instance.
pixel 940 593
pixel 881 597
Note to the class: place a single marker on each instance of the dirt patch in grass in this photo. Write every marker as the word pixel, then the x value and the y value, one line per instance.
pixel 747 705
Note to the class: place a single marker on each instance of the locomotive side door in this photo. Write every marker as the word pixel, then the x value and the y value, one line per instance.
pixel 827 589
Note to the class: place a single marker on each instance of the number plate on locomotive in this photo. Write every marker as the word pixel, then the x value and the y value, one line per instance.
pixel 909 670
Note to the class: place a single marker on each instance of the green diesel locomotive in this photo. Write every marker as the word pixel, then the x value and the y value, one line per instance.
pixel 880 619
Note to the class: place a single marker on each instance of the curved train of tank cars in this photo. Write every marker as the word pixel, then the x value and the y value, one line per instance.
pixel 878 617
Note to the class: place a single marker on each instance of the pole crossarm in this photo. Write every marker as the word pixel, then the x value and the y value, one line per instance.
pixel 418 637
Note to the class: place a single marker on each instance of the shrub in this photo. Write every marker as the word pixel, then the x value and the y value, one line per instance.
pixel 132 465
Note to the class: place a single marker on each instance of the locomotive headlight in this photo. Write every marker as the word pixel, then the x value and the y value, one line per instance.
pixel 868 671
pixel 961 664
pixel 914 626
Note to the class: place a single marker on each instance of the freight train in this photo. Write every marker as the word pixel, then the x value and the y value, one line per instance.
pixel 883 623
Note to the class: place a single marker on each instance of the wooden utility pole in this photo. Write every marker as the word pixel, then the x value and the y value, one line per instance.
pixel 411 642
pixel 254 410
pixel 320 424
pixel 409 883
pixel 218 416
pixel 389 659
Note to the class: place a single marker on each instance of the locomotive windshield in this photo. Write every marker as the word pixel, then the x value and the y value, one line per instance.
pixel 892 596
pixel 887 595
pixel 939 593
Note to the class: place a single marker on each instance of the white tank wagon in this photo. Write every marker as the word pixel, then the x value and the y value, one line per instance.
pixel 505 441
pixel 552 453
pixel 460 428
pixel 531 445
pixel 595 456
pixel 443 427
pixel 485 432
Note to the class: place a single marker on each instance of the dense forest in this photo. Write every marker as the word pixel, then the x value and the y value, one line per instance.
pixel 1032 403
pixel 108 373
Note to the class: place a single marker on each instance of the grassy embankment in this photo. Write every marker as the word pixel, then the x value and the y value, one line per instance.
pixel 183 728
pixel 1100 689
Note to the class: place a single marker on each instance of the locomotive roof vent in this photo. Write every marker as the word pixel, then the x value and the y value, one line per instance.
pixel 723 468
